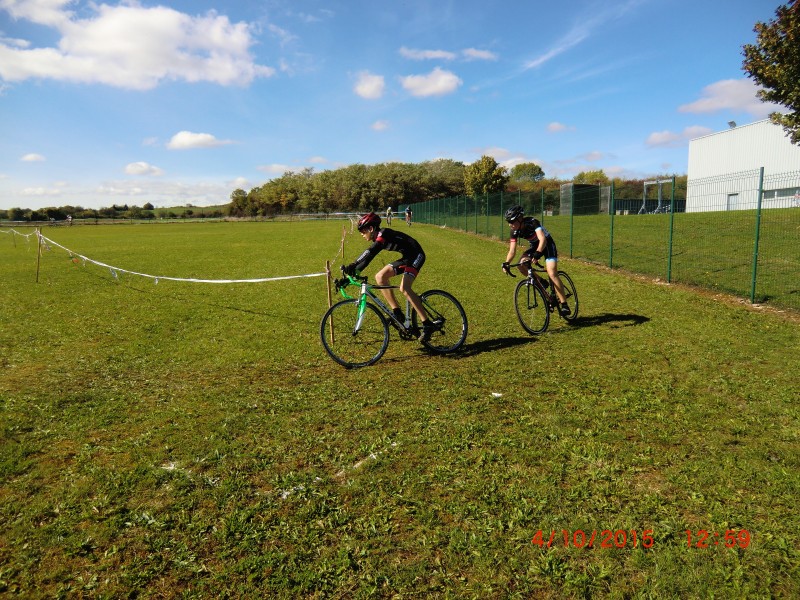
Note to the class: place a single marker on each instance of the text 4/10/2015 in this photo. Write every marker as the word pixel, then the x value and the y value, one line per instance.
pixel 606 538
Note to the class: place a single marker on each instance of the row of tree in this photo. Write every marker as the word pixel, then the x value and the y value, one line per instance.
pixel 148 211
pixel 360 188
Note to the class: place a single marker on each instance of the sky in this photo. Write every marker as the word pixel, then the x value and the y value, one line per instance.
pixel 183 101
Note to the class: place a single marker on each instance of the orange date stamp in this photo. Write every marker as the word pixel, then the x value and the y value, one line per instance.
pixel 604 538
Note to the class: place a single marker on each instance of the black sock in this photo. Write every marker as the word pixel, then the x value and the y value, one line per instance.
pixel 399 315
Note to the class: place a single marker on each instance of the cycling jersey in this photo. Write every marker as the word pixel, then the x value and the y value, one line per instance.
pixel 528 231
pixel 412 255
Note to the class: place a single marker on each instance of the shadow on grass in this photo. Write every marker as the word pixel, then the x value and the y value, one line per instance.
pixel 491 346
pixel 623 320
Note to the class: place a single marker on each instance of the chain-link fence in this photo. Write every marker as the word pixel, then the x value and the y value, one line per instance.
pixel 738 233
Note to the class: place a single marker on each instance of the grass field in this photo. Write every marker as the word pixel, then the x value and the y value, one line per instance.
pixel 187 440
pixel 709 249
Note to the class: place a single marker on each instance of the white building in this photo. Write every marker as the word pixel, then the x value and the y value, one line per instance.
pixel 724 169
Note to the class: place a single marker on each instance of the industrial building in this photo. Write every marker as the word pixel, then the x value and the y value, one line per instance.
pixel 725 169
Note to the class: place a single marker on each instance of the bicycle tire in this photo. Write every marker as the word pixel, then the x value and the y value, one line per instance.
pixel 354 349
pixel 453 332
pixel 571 292
pixel 531 306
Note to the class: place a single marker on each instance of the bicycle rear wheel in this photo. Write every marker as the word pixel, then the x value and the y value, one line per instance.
pixel 449 317
pixel 353 347
pixel 572 295
pixel 531 307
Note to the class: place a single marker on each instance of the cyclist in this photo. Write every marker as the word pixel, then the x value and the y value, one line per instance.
pixel 408 215
pixel 542 244
pixel 411 260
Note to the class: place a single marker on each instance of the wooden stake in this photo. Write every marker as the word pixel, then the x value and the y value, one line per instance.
pixel 38 252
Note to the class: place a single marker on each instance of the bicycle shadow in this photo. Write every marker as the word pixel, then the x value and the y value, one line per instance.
pixel 491 345
pixel 616 320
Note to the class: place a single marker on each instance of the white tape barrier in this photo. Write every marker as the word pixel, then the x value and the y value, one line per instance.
pixel 156 278
pixel 15 232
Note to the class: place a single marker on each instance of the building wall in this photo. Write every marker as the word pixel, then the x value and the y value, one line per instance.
pixel 723 168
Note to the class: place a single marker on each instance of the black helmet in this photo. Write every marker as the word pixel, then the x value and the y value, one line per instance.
pixel 514 213
pixel 368 220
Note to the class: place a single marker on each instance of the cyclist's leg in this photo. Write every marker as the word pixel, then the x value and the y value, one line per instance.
pixel 409 270
pixel 525 261
pixel 382 277
pixel 551 265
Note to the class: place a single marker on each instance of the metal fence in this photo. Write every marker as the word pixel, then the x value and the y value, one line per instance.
pixel 739 233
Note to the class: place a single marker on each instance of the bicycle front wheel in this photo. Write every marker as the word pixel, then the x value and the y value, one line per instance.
pixel 531 307
pixel 572 295
pixel 449 319
pixel 352 343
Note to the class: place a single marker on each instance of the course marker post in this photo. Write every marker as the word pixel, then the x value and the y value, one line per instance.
pixel 38 251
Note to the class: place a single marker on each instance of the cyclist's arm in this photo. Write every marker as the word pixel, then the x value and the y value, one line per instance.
pixel 362 262
pixel 512 250
pixel 542 240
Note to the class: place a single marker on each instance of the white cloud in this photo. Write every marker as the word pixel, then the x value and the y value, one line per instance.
pixel 380 125
pixel 670 139
pixel 414 54
pixel 33 157
pixel 318 160
pixel 369 86
pixel 283 36
pixel 131 46
pixel 475 54
pixel 240 183
pixel 41 191
pixel 556 127
pixel 278 169
pixel 142 168
pixel 184 140
pixel 467 54
pixel 583 29
pixel 436 83
pixel 736 95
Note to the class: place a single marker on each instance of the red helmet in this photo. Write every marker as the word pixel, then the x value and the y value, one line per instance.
pixel 369 220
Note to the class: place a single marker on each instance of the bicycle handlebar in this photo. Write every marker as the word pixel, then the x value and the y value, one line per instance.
pixel 534 262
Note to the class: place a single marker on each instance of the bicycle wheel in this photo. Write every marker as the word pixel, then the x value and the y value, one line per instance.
pixel 531 307
pixel 572 296
pixel 449 316
pixel 353 347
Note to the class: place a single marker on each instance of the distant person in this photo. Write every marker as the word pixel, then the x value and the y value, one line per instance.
pixel 389 215
pixel 541 244
pixel 411 260
pixel 408 215
pixel 69 220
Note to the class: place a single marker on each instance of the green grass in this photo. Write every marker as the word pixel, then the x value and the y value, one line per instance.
pixel 709 249
pixel 194 440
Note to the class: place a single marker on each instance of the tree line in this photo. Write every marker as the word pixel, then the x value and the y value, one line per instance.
pixel 361 188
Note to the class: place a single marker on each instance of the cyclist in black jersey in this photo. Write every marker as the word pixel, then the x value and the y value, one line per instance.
pixel 541 244
pixel 411 260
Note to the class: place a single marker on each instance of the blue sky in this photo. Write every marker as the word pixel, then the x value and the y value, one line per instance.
pixel 181 102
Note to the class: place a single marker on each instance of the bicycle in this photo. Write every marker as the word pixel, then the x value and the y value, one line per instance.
pixel 355 331
pixel 534 303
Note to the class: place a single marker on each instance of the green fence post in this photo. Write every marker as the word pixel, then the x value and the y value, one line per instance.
pixel 541 208
pixel 758 232
pixel 671 231
pixel 501 216
pixel 487 214
pixel 571 217
pixel 611 233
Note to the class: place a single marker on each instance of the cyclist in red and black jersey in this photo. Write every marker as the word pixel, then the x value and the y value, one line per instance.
pixel 408 265
pixel 541 244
